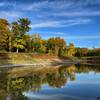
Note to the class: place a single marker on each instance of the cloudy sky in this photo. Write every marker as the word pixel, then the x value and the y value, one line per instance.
pixel 76 21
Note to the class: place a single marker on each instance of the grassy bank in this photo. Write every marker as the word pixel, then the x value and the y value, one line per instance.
pixel 30 58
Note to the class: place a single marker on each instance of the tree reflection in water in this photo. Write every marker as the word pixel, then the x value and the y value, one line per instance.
pixel 13 84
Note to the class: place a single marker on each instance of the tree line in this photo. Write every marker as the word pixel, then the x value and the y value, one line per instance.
pixel 14 37
pixel 84 52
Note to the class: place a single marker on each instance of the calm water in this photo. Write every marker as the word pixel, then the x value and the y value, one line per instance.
pixel 76 82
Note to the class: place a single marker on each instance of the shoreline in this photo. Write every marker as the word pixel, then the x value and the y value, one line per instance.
pixel 65 62
pixel 16 60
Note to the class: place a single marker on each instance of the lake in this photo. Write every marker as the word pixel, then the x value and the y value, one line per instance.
pixel 75 82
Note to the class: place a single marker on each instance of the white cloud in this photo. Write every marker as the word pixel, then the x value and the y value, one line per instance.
pixel 61 23
pixel 62 8
pixel 45 12
pixel 2 4
pixel 77 13
pixel 5 4
pixel 9 14
pixel 56 33
pixel 84 37
pixel 10 11
pixel 47 24
pixel 67 8
pixel 59 33
pixel 34 6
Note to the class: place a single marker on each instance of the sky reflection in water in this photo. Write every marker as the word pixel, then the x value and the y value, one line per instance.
pixel 77 82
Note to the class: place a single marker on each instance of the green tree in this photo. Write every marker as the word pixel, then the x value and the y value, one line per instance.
pixel 19 29
pixel 21 26
pixel 19 44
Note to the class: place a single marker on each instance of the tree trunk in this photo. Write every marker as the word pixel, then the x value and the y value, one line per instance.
pixel 17 50
pixel 9 44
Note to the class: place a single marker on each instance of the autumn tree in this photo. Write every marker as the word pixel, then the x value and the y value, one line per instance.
pixel 39 45
pixel 5 35
pixel 71 50
pixel 93 52
pixel 56 46
pixel 29 43
pixel 36 37
pixel 78 52
pixel 82 52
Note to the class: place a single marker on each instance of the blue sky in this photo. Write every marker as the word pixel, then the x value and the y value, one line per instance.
pixel 76 21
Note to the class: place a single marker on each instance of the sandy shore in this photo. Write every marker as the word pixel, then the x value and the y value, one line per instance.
pixel 43 64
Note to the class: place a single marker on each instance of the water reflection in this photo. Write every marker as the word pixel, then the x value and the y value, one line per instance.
pixel 19 83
